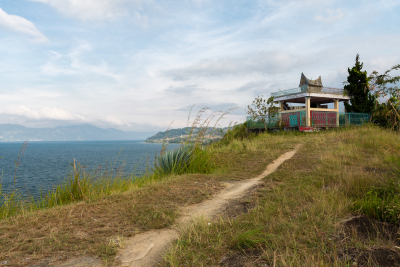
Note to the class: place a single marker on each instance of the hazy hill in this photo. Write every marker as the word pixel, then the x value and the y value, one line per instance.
pixel 178 135
pixel 14 132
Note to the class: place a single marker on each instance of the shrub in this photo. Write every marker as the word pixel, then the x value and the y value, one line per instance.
pixel 238 132
pixel 174 161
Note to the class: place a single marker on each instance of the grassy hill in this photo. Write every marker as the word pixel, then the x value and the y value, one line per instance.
pixel 335 203
pixel 182 134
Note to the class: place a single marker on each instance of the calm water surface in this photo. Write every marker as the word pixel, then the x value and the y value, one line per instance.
pixel 45 164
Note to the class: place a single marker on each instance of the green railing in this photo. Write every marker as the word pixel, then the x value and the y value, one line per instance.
pixel 346 119
pixel 287 119
pixel 318 119
pixel 297 90
pixel 262 122
pixel 305 88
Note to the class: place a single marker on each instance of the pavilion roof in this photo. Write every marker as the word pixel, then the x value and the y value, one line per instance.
pixel 305 81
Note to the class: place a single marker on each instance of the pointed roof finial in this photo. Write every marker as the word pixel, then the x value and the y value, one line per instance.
pixel 305 81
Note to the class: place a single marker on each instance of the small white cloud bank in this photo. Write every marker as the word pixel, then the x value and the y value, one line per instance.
pixel 21 25
pixel 113 121
pixel 46 113
pixel 76 63
pixel 91 9
pixel 330 15
pixel 257 62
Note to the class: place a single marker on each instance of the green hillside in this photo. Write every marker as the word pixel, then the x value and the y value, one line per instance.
pixel 181 134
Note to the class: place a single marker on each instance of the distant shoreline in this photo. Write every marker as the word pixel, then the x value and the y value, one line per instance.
pixel 58 141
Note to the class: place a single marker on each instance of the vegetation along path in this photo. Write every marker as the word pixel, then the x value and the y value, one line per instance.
pixel 147 249
pixel 336 202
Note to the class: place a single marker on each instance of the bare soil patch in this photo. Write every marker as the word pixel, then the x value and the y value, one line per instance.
pixel 365 229
pixel 244 259
pixel 377 257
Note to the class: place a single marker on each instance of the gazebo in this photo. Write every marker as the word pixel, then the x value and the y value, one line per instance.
pixel 315 111
pixel 312 113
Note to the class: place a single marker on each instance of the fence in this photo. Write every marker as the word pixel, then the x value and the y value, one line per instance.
pixel 353 118
pixel 323 119
pixel 318 119
pixel 287 119
pixel 311 89
pixel 297 90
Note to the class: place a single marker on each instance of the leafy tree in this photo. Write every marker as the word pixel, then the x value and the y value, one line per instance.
pixel 388 98
pixel 379 83
pixel 263 109
pixel 361 99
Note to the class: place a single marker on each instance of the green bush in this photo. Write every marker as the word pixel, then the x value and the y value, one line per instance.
pixel 188 158
pixel 174 161
pixel 238 132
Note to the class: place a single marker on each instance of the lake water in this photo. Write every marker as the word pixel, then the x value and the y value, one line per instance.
pixel 45 164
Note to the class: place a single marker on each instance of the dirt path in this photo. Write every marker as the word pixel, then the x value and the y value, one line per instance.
pixel 147 249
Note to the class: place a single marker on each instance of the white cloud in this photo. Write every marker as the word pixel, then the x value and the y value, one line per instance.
pixel 383 4
pixel 382 64
pixel 113 120
pixel 258 62
pixel 73 63
pixel 21 25
pixel 46 113
pixel 331 15
pixel 196 51
pixel 91 9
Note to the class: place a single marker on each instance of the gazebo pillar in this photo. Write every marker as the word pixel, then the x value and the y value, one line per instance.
pixel 336 107
pixel 307 102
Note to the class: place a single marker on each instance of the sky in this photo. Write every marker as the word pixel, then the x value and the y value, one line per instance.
pixel 140 65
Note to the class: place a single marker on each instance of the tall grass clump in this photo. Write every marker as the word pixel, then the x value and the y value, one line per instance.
pixel 383 201
pixel 193 156
pixel 11 203
pixel 78 185
pixel 174 161
pixel 82 185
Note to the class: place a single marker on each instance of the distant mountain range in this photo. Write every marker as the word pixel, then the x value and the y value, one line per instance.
pixel 85 132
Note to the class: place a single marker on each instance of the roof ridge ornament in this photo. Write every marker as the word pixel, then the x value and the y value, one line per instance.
pixel 305 81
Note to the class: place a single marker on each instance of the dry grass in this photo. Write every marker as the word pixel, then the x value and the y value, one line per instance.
pixel 247 158
pixel 294 221
pixel 297 215
pixel 98 227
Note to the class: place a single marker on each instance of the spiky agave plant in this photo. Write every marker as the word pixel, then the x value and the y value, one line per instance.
pixel 174 161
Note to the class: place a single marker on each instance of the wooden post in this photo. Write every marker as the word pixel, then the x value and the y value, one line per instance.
pixel 282 103
pixel 336 106
pixel 307 102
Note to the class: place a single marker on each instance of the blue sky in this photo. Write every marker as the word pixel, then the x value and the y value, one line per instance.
pixel 139 65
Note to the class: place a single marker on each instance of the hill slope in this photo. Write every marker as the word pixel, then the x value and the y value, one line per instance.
pixel 179 135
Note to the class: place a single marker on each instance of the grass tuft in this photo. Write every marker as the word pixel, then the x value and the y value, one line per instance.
pixel 382 201
pixel 249 239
